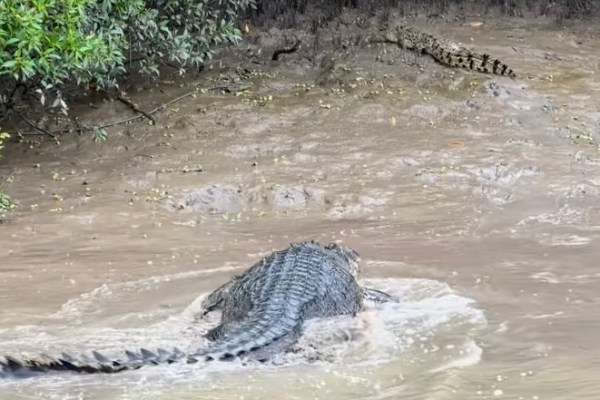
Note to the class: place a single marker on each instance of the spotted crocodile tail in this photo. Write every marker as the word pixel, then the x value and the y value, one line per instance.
pixel 472 61
pixel 94 364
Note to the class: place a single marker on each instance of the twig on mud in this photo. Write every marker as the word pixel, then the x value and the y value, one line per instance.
pixel 289 50
pixel 37 128
pixel 228 88
pixel 84 128
pixel 168 103
pixel 135 108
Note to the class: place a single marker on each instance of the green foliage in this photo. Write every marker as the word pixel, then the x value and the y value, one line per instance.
pixel 46 44
pixel 184 32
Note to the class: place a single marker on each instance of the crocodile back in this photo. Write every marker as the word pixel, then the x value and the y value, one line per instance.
pixel 282 291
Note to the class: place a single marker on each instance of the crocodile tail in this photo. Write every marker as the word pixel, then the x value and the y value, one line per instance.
pixel 475 62
pixel 255 339
pixel 96 364
pixel 485 64
pixel 262 340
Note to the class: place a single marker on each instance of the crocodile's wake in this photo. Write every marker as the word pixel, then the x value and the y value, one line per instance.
pixel 428 313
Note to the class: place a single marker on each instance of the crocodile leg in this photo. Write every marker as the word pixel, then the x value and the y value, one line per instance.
pixel 378 296
pixel 215 300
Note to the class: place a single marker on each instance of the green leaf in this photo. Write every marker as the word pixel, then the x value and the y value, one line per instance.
pixel 99 135
pixel 9 64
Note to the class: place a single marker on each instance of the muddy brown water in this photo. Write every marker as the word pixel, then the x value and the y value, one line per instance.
pixel 474 199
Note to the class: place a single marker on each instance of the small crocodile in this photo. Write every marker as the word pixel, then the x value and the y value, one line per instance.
pixel 263 312
pixel 445 52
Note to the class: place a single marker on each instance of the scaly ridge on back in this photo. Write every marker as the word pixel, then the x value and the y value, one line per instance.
pixel 446 53
pixel 273 299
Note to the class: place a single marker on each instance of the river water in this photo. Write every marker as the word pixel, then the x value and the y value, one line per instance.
pixel 474 199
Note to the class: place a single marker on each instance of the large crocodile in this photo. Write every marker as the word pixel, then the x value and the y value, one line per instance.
pixel 263 312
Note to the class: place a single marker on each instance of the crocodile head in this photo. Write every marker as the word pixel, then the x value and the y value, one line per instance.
pixel 349 255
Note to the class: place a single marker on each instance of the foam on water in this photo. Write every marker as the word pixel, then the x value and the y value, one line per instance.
pixel 82 306
pixel 430 318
